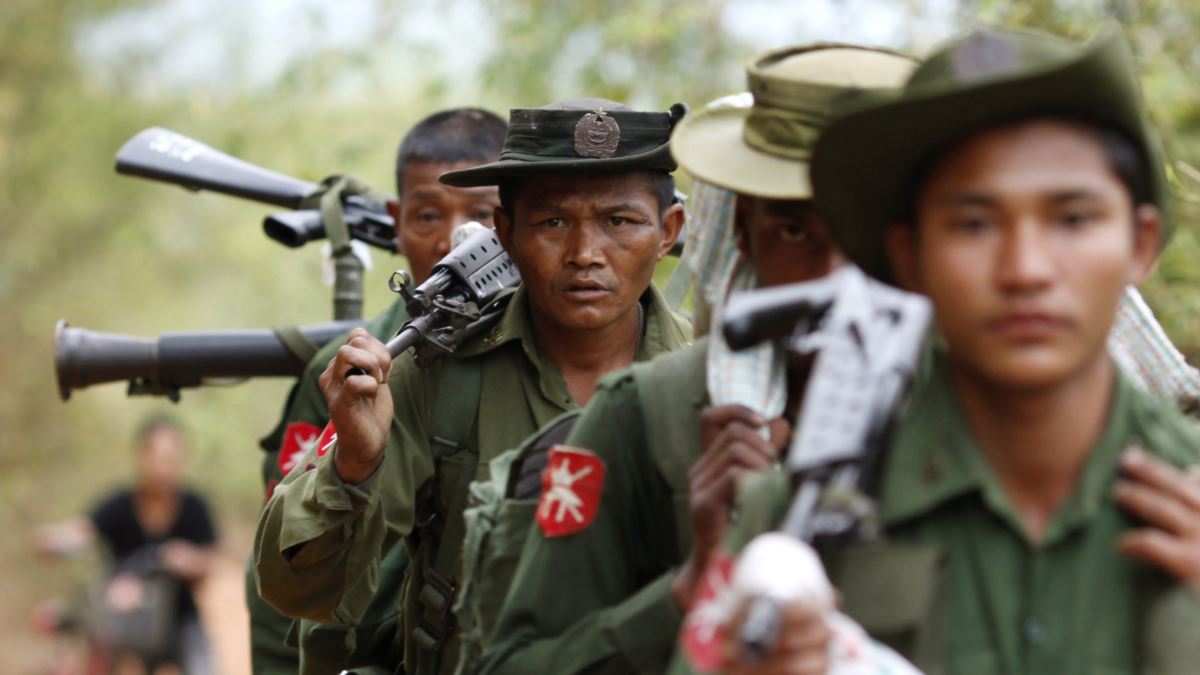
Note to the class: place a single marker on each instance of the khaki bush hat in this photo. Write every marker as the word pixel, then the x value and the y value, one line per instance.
pixel 763 150
pixel 576 137
pixel 866 163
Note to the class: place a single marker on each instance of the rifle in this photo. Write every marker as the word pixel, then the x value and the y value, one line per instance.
pixel 163 366
pixel 164 155
pixel 465 293
pixel 867 337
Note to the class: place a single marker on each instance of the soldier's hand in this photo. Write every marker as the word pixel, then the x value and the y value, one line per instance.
pixel 802 647
pixel 360 405
pixel 733 446
pixel 1167 500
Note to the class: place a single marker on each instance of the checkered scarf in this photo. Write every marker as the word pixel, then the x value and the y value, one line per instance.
pixel 752 377
pixel 1145 353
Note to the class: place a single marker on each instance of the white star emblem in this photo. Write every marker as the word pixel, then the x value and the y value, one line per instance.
pixel 561 492
pixel 304 445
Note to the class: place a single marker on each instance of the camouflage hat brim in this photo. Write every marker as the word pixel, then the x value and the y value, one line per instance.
pixel 866 163
pixel 710 146
pixel 497 172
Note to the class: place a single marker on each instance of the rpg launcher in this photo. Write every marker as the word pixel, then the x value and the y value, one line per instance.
pixel 867 339
pixel 164 155
pixel 465 294
pixel 174 361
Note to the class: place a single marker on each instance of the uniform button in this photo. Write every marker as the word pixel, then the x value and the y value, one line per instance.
pixel 1035 630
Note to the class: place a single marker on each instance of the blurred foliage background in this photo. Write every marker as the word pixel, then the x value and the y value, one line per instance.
pixel 310 89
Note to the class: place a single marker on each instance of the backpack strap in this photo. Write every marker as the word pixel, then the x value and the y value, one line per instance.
pixel 671 389
pixel 297 343
pixel 452 429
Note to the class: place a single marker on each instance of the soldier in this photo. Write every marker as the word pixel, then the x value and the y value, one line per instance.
pixel 587 209
pixel 425 213
pixel 606 593
pixel 1035 513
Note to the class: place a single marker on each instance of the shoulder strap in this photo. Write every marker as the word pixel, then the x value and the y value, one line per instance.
pixel 454 421
pixel 297 343
pixel 668 387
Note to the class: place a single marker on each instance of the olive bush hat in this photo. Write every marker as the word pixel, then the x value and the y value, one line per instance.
pixel 763 150
pixel 866 162
pixel 577 136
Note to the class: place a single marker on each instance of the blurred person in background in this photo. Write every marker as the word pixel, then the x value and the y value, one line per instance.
pixel 159 537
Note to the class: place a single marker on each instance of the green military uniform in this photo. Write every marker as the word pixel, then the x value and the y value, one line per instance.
pixel 344 528
pixel 599 600
pixel 955 585
pixel 276 646
pixel 320 540
pixel 615 574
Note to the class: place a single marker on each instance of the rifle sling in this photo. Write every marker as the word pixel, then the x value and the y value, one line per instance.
pixel 300 346
pixel 453 426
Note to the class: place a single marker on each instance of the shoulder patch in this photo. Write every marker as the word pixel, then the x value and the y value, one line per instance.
pixel 702 638
pixel 298 439
pixel 572 485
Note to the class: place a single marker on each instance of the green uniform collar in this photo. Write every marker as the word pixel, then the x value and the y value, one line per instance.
pixel 935 459
pixel 664 330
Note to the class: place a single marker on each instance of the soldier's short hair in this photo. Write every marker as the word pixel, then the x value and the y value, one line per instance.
pixel 450 136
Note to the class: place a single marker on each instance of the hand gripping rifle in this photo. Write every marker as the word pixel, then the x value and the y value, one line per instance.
pixel 340 208
pixel 867 338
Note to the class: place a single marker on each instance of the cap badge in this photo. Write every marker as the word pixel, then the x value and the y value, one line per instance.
pixel 597 135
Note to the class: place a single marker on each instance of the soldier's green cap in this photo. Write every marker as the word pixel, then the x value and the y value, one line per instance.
pixel 763 150
pixel 577 137
pixel 867 162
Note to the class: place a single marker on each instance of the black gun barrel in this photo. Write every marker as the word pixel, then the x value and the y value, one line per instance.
pixel 164 155
pixel 179 359
pixel 772 313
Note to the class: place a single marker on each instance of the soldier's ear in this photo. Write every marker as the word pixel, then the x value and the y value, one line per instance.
pixel 1147 241
pixel 901 242
pixel 672 227
pixel 504 227
pixel 393 209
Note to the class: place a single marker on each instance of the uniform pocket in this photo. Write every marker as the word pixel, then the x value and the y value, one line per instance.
pixel 895 592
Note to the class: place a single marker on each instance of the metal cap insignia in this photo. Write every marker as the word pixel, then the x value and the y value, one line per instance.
pixel 597 135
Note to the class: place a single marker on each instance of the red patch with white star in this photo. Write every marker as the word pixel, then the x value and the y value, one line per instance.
pixel 571 485
pixel 328 438
pixel 298 439
pixel 704 627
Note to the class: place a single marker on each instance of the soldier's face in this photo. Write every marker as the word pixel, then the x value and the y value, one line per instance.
pixel 1025 240
pixel 786 241
pixel 428 212
pixel 586 246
